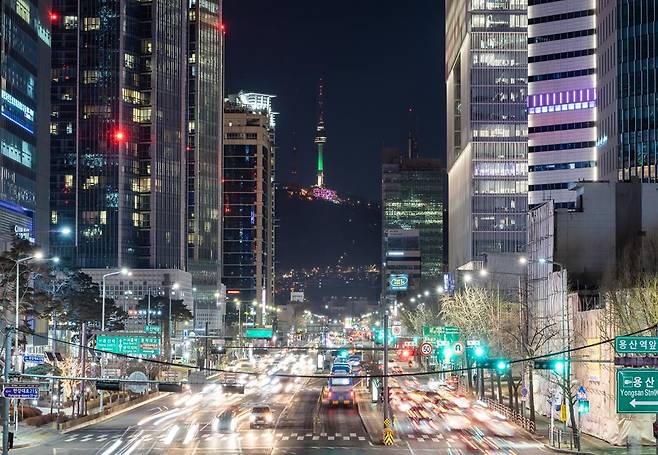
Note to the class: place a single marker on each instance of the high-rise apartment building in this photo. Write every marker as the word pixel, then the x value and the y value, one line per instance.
pixel 248 228
pixel 561 99
pixel 626 76
pixel 24 160
pixel 413 200
pixel 118 133
pixel 486 81
pixel 205 82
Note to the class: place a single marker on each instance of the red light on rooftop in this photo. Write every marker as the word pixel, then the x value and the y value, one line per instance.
pixel 119 136
pixel 53 16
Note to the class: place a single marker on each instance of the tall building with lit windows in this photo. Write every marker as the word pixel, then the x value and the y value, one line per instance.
pixel 248 206
pixel 486 82
pixel 413 220
pixel 627 91
pixel 561 99
pixel 24 159
pixel 205 98
pixel 118 133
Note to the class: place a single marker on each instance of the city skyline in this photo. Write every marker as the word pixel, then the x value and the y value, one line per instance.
pixel 400 74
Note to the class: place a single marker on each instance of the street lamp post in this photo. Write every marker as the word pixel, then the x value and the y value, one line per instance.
pixel 174 287
pixel 39 256
pixel 124 271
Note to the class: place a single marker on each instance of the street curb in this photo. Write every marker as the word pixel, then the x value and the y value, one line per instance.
pixel 114 414
pixel 555 449
pixel 376 441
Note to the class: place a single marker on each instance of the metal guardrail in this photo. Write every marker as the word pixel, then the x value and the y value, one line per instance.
pixel 561 439
pixel 512 415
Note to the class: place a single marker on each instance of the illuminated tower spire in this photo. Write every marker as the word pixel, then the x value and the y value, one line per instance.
pixel 320 137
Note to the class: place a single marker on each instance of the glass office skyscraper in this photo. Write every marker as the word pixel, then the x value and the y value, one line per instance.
pixel 413 199
pixel 24 159
pixel 626 70
pixel 248 228
pixel 205 98
pixel 486 81
pixel 118 133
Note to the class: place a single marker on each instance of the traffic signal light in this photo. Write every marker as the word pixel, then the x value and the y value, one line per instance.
pixel 170 387
pixel 556 365
pixel 501 365
pixel 108 385
pixel 479 352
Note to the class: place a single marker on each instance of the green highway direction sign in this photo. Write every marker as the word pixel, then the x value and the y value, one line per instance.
pixel 152 329
pixel 636 345
pixel 637 391
pixel 146 345
pixel 447 333
pixel 259 332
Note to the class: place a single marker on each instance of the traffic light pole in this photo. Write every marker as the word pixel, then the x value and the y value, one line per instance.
pixel 385 370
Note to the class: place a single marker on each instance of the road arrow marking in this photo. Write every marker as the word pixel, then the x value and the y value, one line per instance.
pixel 635 403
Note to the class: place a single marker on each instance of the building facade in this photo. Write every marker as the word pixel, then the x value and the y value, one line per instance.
pixel 413 199
pixel 248 228
pixel 561 99
pixel 205 82
pixel 118 133
pixel 626 70
pixel 486 82
pixel 24 160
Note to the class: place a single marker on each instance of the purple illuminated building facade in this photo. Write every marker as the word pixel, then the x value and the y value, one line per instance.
pixel 562 99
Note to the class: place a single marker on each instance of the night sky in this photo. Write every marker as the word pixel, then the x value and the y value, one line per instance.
pixel 378 58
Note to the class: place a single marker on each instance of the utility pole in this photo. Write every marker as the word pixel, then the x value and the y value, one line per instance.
pixel 206 362
pixel 82 410
pixel 5 411
pixel 385 376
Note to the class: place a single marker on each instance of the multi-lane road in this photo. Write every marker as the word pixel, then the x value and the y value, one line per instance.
pixel 187 423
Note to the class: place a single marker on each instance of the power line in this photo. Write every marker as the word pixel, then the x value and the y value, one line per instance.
pixel 371 375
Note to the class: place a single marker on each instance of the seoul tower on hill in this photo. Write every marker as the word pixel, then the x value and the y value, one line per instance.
pixel 320 138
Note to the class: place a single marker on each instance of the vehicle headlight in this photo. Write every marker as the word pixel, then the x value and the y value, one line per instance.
pixel 268 417
pixel 252 418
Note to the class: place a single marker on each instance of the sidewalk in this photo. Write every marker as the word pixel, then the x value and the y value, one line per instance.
pixel 589 444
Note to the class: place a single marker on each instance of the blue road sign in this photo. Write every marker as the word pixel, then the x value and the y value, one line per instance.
pixel 27 392
pixel 34 358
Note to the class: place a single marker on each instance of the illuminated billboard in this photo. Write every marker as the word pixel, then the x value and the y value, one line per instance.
pixel 398 282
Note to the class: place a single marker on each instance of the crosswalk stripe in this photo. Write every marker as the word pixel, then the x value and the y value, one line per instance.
pixel 316 438
pixel 331 438
pixel 300 438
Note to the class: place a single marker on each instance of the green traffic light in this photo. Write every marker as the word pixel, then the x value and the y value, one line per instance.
pixel 502 366
pixel 447 353
pixel 479 352
pixel 558 367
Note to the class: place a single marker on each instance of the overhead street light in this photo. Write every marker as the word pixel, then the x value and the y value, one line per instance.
pixel 123 271
pixel 38 255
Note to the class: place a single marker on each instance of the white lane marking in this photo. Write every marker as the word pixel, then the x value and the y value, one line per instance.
pixel 133 447
pixel 171 435
pixel 316 438
pixel 113 447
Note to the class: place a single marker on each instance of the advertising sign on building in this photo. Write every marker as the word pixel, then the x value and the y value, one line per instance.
pixel 398 283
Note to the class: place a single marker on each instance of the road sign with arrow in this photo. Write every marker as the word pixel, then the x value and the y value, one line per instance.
pixel 637 391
